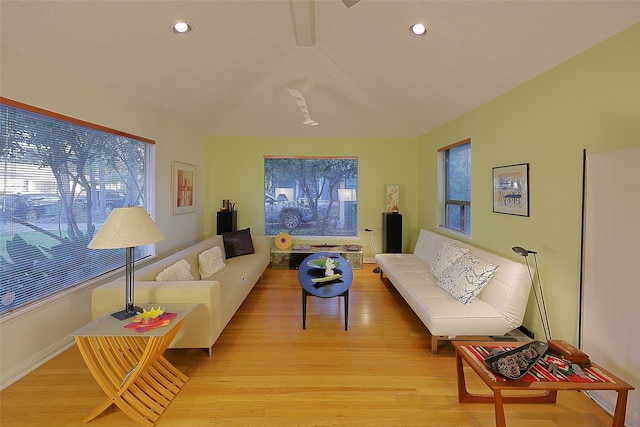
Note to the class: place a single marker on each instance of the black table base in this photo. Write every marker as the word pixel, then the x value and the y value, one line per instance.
pixel 344 295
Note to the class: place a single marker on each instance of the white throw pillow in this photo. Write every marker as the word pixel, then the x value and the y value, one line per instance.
pixel 467 277
pixel 181 270
pixel 210 262
pixel 447 255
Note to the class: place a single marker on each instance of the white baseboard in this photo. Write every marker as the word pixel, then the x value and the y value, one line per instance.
pixel 606 400
pixel 38 359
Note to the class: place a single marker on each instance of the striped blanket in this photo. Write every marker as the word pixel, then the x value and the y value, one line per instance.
pixel 539 371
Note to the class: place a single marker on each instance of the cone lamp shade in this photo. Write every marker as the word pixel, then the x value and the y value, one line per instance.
pixel 127 228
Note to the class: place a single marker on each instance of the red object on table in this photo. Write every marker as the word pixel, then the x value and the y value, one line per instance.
pixel 140 326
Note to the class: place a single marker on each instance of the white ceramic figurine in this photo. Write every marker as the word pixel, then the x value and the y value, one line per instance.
pixel 328 267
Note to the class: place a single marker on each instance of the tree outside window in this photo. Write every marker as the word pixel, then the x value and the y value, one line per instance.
pixel 311 196
pixel 59 180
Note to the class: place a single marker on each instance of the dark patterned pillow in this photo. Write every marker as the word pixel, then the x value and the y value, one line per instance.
pixel 237 243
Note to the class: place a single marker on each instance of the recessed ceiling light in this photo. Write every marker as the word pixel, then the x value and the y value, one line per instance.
pixel 418 30
pixel 182 27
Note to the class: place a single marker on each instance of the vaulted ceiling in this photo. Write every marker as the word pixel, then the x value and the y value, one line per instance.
pixel 251 67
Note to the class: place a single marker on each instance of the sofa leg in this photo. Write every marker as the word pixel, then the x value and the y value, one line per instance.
pixel 434 343
pixel 210 351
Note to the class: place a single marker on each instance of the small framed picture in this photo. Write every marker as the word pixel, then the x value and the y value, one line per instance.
pixel 183 195
pixel 393 197
pixel 511 189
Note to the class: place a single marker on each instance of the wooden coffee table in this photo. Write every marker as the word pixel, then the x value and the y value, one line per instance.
pixel 549 389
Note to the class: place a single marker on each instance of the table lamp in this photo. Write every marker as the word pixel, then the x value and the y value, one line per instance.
pixel 127 228
pixel 542 307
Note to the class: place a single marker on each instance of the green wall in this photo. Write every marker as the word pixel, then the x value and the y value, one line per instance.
pixel 590 102
pixel 235 171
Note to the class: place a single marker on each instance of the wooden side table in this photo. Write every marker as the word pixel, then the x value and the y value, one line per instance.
pixel 549 388
pixel 129 365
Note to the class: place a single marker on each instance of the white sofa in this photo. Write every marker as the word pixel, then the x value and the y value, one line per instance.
pixel 498 309
pixel 218 296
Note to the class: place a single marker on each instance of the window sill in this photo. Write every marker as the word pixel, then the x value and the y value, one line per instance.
pixel 43 303
pixel 454 233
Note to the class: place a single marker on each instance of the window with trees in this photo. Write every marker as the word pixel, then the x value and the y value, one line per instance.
pixel 311 196
pixel 455 161
pixel 59 180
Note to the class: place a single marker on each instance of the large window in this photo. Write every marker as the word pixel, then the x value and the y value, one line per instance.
pixel 311 196
pixel 456 180
pixel 59 179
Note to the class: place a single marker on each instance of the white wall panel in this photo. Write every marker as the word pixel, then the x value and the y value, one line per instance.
pixel 611 293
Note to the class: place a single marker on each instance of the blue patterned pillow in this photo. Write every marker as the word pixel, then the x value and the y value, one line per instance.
pixel 447 255
pixel 467 277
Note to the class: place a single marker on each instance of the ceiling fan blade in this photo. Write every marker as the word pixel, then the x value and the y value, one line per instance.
pixel 350 3
pixel 295 93
pixel 300 102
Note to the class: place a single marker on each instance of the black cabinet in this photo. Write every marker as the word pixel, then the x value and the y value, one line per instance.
pixel 391 233
pixel 227 221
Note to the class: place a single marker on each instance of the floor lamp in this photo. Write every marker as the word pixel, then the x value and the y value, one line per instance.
pixel 542 307
pixel 127 228
pixel 375 246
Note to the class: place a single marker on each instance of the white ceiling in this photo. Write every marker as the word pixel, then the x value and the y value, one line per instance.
pixel 365 75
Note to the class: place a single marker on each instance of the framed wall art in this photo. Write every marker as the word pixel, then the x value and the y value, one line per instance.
pixel 393 197
pixel 511 189
pixel 183 193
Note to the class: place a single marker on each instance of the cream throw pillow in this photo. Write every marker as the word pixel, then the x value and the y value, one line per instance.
pixel 467 277
pixel 210 262
pixel 181 270
pixel 447 255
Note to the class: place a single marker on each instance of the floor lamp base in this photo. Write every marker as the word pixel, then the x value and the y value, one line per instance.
pixel 375 246
pixel 125 314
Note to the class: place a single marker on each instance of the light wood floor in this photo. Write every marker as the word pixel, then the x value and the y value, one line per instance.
pixel 267 371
